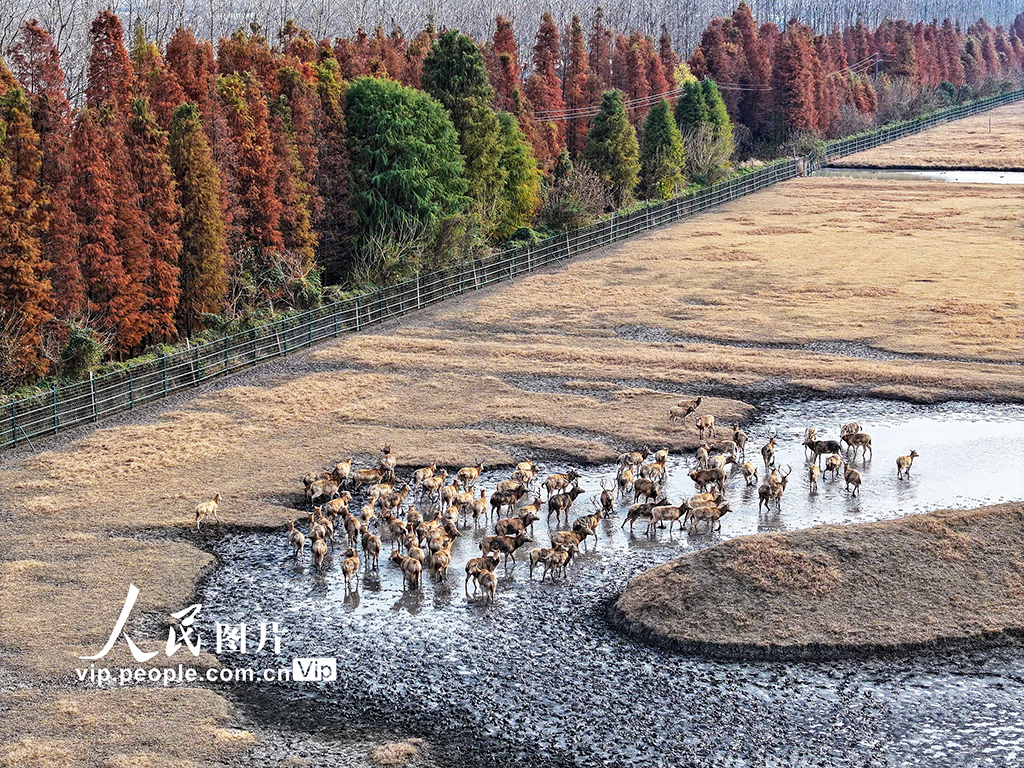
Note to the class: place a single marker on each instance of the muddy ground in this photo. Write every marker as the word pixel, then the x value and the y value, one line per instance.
pixel 992 140
pixel 818 285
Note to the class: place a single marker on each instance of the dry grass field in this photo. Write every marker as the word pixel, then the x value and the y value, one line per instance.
pixel 868 287
pixel 991 140
pixel 945 578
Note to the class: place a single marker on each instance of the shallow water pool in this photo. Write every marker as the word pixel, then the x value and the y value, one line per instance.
pixel 540 679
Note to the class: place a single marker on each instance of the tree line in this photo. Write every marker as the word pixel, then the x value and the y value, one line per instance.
pixel 205 187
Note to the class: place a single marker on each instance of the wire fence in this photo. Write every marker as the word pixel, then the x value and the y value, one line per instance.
pixel 100 396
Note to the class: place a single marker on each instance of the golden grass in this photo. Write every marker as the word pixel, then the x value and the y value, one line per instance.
pixel 945 576
pixel 967 143
pixel 396 754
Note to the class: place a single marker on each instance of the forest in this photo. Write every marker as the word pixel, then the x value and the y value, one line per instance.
pixel 196 187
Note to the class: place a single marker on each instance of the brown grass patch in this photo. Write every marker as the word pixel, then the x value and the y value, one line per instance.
pixel 396 754
pixel 988 140
pixel 941 577
pixel 772 566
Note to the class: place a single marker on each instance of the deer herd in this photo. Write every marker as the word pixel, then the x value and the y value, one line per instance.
pixel 423 517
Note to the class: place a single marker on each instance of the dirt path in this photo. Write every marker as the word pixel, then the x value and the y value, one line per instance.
pixel 991 140
pixel 818 284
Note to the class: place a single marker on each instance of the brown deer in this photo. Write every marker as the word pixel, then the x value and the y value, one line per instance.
pixel 706 426
pixel 852 478
pixel 207 508
pixel 904 463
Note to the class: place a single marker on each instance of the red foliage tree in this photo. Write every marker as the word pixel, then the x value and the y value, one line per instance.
pixel 110 68
pixel 115 299
pixel 26 298
pixel 503 64
pixel 158 199
pixel 545 87
pixel 256 217
pixel 576 92
pixel 793 79
pixel 620 54
pixel 669 58
pixel 600 56
pixel 36 63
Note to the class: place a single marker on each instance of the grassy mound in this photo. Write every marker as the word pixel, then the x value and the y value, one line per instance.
pixel 945 579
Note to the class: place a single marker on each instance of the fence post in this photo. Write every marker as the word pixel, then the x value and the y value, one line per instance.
pixel 92 390
pixel 227 356
pixel 357 311
pixel 131 390
pixel 310 322
pixel 419 301
pixel 14 420
pixel 56 417
pixel 165 374
pixel 335 320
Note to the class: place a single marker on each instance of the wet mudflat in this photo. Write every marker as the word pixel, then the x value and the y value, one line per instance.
pixel 539 678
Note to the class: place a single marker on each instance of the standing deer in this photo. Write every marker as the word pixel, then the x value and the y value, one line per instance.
pixel 904 463
pixel 706 426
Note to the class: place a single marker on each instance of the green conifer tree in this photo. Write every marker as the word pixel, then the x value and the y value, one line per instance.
pixel 612 151
pixel 661 155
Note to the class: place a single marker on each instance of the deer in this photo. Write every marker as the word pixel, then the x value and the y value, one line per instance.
pixel 361 477
pixel 350 567
pixel 480 507
pixel 702 478
pixel 849 429
pixel 639 512
pixel 821 448
pixel 477 564
pixel 810 438
pixel 624 479
pixel 667 512
pixel 335 507
pixel 295 539
pixel 749 473
pixel 607 499
pixel 560 482
pixel 709 513
pixel 207 508
pixel 510 498
pixel 468 475
pixel 701 456
pixel 813 473
pixel 388 459
pixel 654 471
pixel 561 502
pixel 440 561
pixel 645 488
pixel 371 548
pixel 832 464
pixel 449 492
pixel 504 545
pixel 571 539
pixel 319 553
pixel 706 425
pixel 635 458
pixel 684 408
pixel 423 473
pixel 432 485
pixel 740 438
pixel 510 526
pixel 904 463
pixel 768 453
pixel 410 567
pixel 718 461
pixel 861 440
pixel 852 478
pixel 488 583
pixel 555 562
pixel 772 489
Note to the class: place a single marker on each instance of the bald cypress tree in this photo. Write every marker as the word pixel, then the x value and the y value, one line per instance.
pixel 661 155
pixel 26 299
pixel 203 261
pixel 612 151
pixel 158 199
